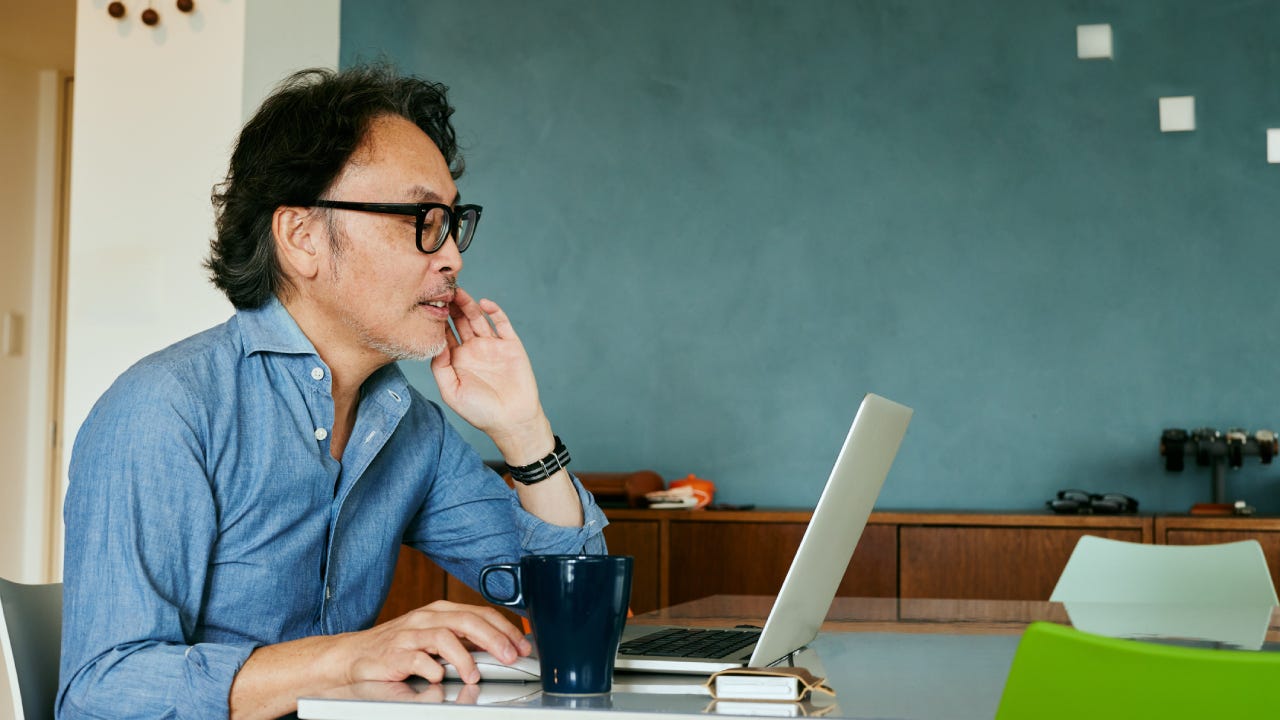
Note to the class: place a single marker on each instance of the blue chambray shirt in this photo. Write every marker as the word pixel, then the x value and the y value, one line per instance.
pixel 205 516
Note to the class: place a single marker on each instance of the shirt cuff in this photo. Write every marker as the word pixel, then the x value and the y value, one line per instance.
pixel 539 537
pixel 210 670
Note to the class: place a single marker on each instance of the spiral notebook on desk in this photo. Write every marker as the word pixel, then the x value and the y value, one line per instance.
pixel 816 570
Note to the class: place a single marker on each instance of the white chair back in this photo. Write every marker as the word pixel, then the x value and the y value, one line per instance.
pixel 1114 571
pixel 1216 593
pixel 31 632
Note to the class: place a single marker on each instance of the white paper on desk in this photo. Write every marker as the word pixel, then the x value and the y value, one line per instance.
pixel 678 505
pixel 756 709
pixel 674 499
pixel 757 687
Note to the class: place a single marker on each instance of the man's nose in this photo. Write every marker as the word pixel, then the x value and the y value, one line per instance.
pixel 447 259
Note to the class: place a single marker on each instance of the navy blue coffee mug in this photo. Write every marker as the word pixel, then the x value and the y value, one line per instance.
pixel 577 606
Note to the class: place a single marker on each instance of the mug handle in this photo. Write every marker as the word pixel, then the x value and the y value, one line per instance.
pixel 513 569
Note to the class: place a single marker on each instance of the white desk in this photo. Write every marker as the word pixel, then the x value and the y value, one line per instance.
pixel 885 658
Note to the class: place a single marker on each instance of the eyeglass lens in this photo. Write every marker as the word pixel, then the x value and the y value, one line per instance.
pixel 436 226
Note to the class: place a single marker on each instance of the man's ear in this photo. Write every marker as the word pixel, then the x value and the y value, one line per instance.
pixel 295 232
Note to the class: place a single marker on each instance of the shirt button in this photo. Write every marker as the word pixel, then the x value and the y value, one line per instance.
pixel 321 433
pixel 317 374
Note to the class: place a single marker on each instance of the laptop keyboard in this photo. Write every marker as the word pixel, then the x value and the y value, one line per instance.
pixel 690 642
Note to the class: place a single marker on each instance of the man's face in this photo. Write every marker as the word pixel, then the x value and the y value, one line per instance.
pixel 389 297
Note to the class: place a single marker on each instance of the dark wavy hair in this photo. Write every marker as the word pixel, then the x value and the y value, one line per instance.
pixel 291 151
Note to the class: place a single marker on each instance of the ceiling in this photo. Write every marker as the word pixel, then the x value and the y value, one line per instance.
pixel 39 32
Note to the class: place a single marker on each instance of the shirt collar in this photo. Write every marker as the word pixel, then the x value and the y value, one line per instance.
pixel 270 328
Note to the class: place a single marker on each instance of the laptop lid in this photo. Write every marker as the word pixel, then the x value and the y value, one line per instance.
pixel 825 550
pixel 834 531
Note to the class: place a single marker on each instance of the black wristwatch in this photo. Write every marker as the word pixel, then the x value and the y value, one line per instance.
pixel 1205 438
pixel 1236 439
pixel 534 473
pixel 1266 445
pixel 1173 443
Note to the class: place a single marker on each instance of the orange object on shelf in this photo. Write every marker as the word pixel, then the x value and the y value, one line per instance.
pixel 703 490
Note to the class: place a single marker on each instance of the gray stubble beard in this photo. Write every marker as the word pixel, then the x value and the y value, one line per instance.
pixel 397 353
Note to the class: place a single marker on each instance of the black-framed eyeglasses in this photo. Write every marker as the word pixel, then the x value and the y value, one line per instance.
pixel 435 221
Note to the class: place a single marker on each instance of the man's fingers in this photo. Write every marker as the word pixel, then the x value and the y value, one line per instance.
pixel 487 631
pixel 496 634
pixel 488 635
pixel 461 323
pixel 424 666
pixel 423 652
pixel 442 642
pixel 517 638
pixel 475 317
pixel 423 641
pixel 395 664
pixel 445 357
pixel 501 323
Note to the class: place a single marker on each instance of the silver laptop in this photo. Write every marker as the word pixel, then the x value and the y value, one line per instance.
pixel 816 570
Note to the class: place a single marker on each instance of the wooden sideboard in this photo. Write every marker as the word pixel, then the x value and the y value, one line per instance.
pixel 683 555
pixel 985 556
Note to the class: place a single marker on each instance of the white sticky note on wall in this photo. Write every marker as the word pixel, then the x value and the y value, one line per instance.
pixel 1178 114
pixel 1093 42
pixel 1273 145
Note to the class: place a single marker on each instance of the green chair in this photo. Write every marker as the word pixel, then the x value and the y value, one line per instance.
pixel 1061 672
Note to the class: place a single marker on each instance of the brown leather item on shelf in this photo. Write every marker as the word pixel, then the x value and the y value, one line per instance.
pixel 616 489
pixel 1213 509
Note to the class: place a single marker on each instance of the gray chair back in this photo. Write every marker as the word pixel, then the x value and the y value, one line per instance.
pixel 31 632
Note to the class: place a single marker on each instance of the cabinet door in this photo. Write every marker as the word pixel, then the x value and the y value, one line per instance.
pixel 1270 542
pixel 639 539
pixel 730 558
pixel 990 563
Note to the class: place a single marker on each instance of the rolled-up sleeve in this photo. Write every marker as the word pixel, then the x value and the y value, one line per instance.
pixel 471 518
pixel 539 537
pixel 141 524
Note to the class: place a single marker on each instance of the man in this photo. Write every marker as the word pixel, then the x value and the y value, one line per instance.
pixel 237 501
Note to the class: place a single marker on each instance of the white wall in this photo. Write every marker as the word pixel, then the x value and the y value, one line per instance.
pixel 282 36
pixel 156 114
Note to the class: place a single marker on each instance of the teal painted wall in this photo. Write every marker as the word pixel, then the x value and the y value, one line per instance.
pixel 718 224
